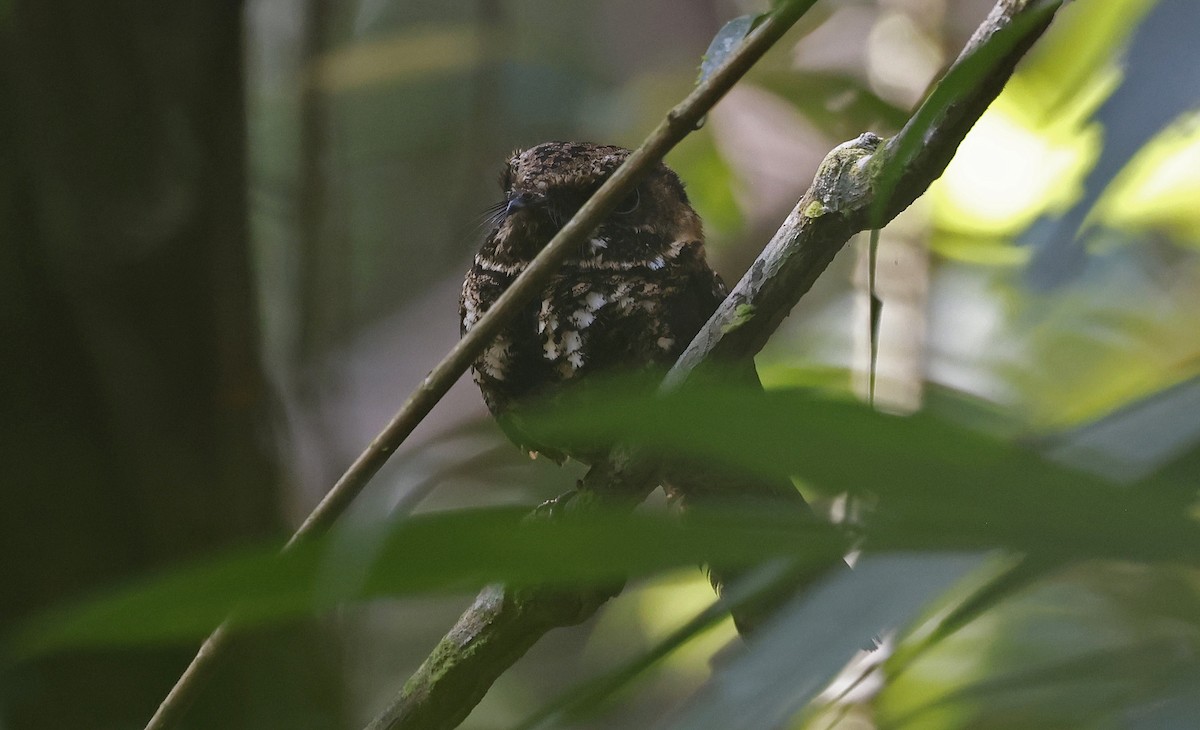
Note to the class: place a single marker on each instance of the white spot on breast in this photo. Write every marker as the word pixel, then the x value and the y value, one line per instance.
pixel 594 300
pixel 546 318
pixel 576 360
pixel 622 299
pixel 657 263
pixel 571 341
pixel 582 318
pixel 495 359
pixel 551 350
pixel 598 244
pixel 666 343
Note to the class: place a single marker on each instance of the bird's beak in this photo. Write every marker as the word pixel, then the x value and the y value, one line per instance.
pixel 521 201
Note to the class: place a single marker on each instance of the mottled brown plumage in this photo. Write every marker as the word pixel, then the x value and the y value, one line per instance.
pixel 631 298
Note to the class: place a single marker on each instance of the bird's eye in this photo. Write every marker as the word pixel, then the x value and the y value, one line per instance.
pixel 630 203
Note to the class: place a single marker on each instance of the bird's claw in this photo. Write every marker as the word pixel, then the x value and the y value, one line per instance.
pixel 553 508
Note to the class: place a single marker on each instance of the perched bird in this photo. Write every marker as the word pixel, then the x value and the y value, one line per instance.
pixel 631 298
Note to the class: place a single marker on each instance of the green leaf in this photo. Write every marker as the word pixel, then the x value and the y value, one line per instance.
pixel 935 487
pixel 726 42
pixel 452 551
pixel 574 705
pixel 1075 650
pixel 935 484
pixel 966 74
pixel 798 653
pixel 1005 578
pixel 1177 706
pixel 1076 691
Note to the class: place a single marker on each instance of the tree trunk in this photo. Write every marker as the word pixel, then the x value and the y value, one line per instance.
pixel 135 430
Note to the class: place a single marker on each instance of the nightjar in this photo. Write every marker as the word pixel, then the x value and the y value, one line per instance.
pixel 630 299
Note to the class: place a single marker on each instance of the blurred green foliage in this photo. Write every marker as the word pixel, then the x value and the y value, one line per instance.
pixel 941 496
pixel 1028 538
pixel 1067 370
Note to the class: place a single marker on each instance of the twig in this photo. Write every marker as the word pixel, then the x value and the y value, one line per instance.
pixel 843 200
pixel 680 121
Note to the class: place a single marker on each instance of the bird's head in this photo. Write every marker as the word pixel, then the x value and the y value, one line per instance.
pixel 545 185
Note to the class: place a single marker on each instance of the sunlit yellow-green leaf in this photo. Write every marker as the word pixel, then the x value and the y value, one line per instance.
pixel 1160 188
pixel 1082 40
pixel 1009 170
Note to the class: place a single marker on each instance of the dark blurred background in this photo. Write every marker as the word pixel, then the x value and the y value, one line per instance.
pixel 232 236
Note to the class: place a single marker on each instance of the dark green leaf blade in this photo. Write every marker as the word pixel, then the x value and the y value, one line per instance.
pixel 936 484
pixel 775 678
pixel 452 551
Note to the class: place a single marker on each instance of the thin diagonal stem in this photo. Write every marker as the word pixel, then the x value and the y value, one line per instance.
pixel 679 122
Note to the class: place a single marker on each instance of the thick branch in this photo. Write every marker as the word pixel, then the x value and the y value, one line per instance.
pixel 502 623
pixel 844 194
